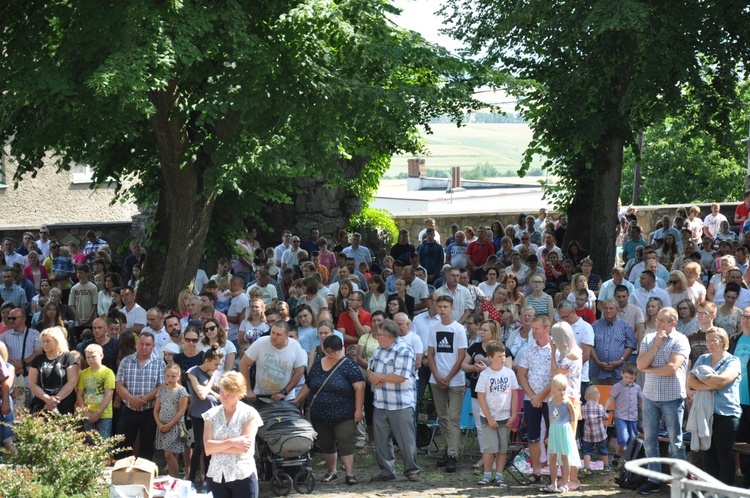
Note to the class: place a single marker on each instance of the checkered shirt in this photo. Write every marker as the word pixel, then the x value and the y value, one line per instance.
pixel 657 387
pixel 14 342
pixel 610 342
pixel 398 359
pixel 15 294
pixel 593 429
pixel 138 380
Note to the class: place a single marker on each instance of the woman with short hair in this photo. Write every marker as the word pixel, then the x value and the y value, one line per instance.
pixel 719 372
pixel 338 390
pixel 229 439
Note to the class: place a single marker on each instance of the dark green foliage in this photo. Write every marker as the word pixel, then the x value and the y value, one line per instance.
pixel 54 461
pixel 377 220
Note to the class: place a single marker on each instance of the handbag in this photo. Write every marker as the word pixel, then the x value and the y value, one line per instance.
pixel 183 432
pixel 308 411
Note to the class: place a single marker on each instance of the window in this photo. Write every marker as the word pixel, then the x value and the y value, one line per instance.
pixel 82 173
pixel 3 184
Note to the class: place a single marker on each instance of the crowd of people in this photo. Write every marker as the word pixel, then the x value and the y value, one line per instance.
pixel 503 312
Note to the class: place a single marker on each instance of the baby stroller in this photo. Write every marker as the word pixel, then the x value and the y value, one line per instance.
pixel 284 443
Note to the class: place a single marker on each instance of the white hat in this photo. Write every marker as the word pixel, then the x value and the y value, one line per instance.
pixel 171 347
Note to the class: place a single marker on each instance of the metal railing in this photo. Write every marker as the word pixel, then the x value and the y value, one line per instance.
pixel 682 485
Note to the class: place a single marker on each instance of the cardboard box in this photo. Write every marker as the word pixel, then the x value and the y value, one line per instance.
pixel 130 471
pixel 128 491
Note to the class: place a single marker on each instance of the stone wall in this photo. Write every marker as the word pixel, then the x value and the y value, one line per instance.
pixel 647 218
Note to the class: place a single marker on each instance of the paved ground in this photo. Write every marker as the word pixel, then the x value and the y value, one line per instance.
pixel 437 483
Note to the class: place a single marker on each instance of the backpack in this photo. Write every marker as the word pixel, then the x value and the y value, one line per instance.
pixel 627 479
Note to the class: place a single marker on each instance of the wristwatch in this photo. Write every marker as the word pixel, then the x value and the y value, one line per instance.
pixel 284 391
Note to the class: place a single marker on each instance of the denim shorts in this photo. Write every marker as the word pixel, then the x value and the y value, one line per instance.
pixel 587 448
pixel 626 430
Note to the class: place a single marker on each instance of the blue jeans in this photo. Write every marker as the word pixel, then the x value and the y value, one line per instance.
pixel 103 425
pixel 672 411
pixel 626 431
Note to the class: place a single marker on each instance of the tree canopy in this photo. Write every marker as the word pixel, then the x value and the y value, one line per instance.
pixel 228 100
pixel 693 157
pixel 593 73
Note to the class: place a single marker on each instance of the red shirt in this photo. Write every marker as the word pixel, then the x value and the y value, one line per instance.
pixel 345 322
pixel 587 314
pixel 742 211
pixel 480 252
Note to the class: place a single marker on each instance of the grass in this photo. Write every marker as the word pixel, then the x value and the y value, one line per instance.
pixel 501 145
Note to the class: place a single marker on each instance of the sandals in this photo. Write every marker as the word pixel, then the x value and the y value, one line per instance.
pixel 550 488
pixel 574 485
pixel 562 489
pixel 351 480
pixel 329 477
pixel 535 479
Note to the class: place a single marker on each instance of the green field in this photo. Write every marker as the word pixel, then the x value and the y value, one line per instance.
pixel 501 145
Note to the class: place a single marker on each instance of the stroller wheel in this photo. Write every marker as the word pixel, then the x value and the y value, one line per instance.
pixel 281 484
pixel 304 482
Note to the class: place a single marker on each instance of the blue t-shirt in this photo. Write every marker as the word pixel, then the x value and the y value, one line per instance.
pixel 742 351
pixel 726 399
pixel 335 402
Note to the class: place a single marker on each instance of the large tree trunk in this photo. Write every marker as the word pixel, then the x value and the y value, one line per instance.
pixel 592 215
pixel 607 179
pixel 183 213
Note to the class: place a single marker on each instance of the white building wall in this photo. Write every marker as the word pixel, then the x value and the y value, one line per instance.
pixel 52 197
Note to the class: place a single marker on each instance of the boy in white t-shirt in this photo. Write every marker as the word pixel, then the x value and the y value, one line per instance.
pixel 497 389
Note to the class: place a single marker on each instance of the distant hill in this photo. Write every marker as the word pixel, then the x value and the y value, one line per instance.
pixel 499 145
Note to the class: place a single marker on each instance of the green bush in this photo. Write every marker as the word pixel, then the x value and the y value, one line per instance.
pixel 53 459
pixel 376 220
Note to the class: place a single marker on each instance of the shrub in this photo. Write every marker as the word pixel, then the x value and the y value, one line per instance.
pixel 376 220
pixel 53 459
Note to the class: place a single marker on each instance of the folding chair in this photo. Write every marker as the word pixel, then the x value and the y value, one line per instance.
pixel 516 445
pixel 467 424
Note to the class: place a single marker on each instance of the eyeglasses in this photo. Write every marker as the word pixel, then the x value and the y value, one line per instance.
pixel 209 329
pixel 330 353
pixel 745 316
pixel 713 341
pixel 564 317
pixel 674 281
pixel 504 311
pixel 11 318
pixel 54 247
pixel 192 341
pixel 536 282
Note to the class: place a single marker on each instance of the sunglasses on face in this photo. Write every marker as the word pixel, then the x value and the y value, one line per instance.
pixel 209 329
pixel 192 341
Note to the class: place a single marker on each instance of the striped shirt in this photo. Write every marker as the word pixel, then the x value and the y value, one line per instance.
pixel 141 380
pixel 399 359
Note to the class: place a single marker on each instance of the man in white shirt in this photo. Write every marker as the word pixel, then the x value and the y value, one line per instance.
pixel 270 296
pixel 463 303
pixel 648 290
pixel 417 289
pixel 286 243
pixel 280 363
pixel 549 244
pixel 9 251
pixel 237 307
pixel 712 221
pixel 421 326
pixel 607 289
pixel 446 349
pixel 155 325
pixel 194 314
pixel 584 335
pixel 134 313
pixel 289 258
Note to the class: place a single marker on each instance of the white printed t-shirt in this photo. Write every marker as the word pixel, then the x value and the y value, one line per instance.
pixel 447 340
